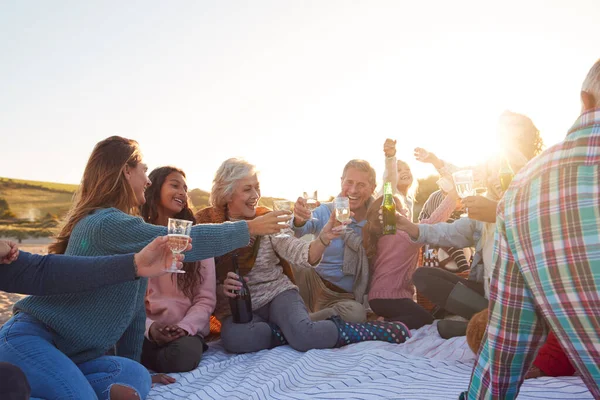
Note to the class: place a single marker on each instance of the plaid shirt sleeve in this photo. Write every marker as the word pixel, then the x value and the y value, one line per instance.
pixel 547 269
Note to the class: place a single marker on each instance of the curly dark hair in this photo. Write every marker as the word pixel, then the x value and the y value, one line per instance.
pixel 192 278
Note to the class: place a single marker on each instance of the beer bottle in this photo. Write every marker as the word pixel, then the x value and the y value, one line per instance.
pixel 436 260
pixel 389 210
pixel 506 174
pixel 241 304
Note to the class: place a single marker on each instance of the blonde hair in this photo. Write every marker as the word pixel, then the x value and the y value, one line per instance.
pixel 229 173
pixel 363 166
pixel 103 185
pixel 530 143
pixel 591 84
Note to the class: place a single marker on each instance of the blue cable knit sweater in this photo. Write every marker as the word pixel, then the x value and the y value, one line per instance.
pixel 86 325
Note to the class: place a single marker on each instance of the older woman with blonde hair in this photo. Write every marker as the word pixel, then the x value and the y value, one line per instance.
pixel 279 313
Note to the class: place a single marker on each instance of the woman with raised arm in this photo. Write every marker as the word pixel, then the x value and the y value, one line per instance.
pixel 61 341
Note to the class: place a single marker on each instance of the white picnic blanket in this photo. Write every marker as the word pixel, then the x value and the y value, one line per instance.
pixel 425 367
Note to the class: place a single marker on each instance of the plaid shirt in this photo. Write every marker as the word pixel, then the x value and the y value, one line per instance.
pixel 547 272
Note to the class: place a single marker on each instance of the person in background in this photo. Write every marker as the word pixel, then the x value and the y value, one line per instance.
pixel 55 330
pixel 456 260
pixel 448 291
pixel 339 284
pixel 547 261
pixel 178 306
pixel 279 315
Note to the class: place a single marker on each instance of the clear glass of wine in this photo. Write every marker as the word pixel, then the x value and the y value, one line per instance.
pixel 311 202
pixel 282 205
pixel 179 237
pixel 464 182
pixel 341 207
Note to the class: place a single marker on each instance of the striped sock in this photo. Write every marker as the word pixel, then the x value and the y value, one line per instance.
pixel 350 332
pixel 277 335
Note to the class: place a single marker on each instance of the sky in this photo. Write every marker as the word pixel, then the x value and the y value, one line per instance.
pixel 296 87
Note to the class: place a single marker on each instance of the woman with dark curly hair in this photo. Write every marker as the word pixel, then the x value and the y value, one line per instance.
pixel 178 306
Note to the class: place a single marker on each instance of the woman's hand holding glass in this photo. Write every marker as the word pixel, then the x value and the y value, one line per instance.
pixel 153 259
pixel 283 205
pixel 268 224
pixel 179 237
pixel 465 185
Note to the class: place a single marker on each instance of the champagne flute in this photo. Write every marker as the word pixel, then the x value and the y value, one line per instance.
pixel 311 202
pixel 341 207
pixel 179 237
pixel 282 205
pixel 464 182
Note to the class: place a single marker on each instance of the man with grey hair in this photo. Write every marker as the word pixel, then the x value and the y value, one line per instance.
pixel 547 274
pixel 338 285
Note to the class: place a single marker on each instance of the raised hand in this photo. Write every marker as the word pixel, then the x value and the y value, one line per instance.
pixel 422 155
pixel 389 148
pixel 301 212
pixel 153 259
pixel 268 224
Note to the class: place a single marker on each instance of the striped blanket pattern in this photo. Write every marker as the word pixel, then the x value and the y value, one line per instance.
pixel 425 367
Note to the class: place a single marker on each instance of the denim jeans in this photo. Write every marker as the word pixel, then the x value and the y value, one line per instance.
pixel 27 343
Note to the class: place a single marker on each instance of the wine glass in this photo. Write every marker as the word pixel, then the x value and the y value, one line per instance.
pixel 341 207
pixel 282 205
pixel 179 237
pixel 311 202
pixel 464 182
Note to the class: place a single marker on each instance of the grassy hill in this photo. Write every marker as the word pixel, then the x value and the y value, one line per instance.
pixel 34 199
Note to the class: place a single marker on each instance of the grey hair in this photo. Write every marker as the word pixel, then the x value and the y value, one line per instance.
pixel 226 177
pixel 363 166
pixel 591 84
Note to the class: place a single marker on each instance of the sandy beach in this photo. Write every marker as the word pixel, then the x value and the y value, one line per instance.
pixel 8 299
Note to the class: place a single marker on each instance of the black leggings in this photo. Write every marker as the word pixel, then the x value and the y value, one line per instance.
pixel 436 284
pixel 180 355
pixel 404 310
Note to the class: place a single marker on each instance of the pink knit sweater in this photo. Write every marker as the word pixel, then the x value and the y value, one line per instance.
pixel 396 259
pixel 166 304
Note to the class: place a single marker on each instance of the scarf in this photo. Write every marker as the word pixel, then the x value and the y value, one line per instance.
pixel 246 255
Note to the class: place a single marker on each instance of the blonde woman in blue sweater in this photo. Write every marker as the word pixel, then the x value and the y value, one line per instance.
pixel 60 341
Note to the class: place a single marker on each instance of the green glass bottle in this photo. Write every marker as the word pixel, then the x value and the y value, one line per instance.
pixel 506 175
pixel 388 208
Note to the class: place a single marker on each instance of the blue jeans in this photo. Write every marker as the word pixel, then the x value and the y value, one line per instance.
pixel 27 343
